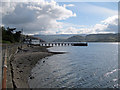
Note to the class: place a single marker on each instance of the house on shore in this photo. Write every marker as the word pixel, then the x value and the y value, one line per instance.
pixel 33 40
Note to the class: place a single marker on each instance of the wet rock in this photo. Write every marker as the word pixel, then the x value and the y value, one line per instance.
pixel 29 60
pixel 17 66
pixel 43 61
pixel 31 77
pixel 20 71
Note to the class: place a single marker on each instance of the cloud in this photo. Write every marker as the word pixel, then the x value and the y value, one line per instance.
pixel 70 30
pixel 20 15
pixel 44 17
pixel 62 0
pixel 35 17
pixel 111 20
pixel 109 25
pixel 7 8
pixel 69 5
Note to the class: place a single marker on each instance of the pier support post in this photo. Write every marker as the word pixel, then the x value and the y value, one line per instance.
pixel 65 44
pixel 55 44
pixel 52 44
pixel 58 44
pixel 49 44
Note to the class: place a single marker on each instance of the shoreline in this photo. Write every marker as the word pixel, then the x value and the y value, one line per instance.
pixel 23 62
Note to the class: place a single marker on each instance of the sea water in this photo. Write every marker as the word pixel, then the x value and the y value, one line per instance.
pixel 92 66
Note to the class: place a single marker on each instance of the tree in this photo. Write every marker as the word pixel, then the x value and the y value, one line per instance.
pixel 8 35
pixel 17 36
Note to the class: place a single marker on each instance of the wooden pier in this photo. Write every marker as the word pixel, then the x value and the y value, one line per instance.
pixel 41 43
pixel 52 44
pixel 55 44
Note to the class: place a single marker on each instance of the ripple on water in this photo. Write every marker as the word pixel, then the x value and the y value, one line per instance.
pixel 92 66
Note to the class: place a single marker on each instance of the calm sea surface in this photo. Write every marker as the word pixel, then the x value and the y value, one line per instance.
pixel 82 67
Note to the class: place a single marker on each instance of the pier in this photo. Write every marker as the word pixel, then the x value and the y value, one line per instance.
pixel 52 44
pixel 63 44
pixel 55 44
pixel 43 43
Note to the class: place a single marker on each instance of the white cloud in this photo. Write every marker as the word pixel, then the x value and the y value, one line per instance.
pixel 43 16
pixel 61 0
pixel 111 20
pixel 7 8
pixel 73 30
pixel 109 25
pixel 69 5
pixel 35 17
pixel 69 30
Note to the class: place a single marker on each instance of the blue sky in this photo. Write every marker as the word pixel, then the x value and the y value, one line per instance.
pixel 84 14
pixel 53 17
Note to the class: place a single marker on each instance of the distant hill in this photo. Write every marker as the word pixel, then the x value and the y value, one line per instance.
pixel 59 40
pixel 102 38
pixel 79 38
pixel 76 38
pixel 60 37
pixel 91 38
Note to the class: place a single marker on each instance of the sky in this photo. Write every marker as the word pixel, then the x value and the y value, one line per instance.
pixel 53 17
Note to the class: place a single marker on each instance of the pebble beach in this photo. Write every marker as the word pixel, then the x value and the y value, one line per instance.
pixel 23 61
